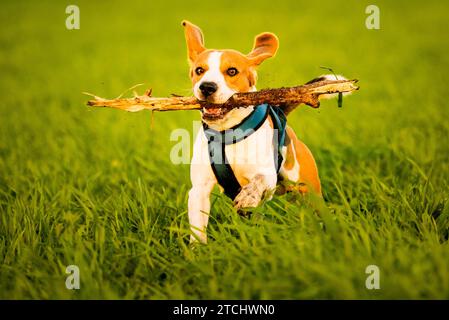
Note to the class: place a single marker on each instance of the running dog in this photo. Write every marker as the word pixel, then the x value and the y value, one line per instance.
pixel 246 150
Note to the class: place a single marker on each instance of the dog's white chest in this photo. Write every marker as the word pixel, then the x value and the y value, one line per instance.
pixel 253 155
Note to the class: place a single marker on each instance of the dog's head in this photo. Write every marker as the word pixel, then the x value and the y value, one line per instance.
pixel 217 74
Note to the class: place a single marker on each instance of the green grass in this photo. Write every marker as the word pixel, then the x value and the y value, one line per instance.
pixel 96 188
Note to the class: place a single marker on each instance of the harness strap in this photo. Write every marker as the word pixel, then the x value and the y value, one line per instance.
pixel 222 170
pixel 279 123
pixel 217 141
pixel 241 131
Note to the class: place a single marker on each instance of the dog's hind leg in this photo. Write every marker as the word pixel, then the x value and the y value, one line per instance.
pixel 299 166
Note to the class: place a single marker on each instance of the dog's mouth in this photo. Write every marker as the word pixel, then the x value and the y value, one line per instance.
pixel 213 112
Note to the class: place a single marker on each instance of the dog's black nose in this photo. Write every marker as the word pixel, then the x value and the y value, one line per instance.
pixel 208 88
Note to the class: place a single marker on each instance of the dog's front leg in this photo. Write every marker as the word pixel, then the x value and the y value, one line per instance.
pixel 203 181
pixel 252 193
pixel 199 207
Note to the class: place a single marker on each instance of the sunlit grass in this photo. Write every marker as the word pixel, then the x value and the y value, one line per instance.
pixel 96 188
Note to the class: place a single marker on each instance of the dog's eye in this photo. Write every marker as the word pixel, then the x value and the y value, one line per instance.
pixel 199 71
pixel 232 72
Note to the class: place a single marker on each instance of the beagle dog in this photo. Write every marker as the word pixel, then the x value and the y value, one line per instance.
pixel 216 75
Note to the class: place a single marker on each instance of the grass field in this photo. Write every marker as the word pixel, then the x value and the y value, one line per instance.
pixel 96 188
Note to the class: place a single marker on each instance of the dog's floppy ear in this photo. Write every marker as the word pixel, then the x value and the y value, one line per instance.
pixel 194 40
pixel 265 46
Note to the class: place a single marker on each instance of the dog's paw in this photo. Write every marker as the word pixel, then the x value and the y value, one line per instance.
pixel 198 239
pixel 249 197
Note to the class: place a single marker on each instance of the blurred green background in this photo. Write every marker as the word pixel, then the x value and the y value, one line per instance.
pixel 96 188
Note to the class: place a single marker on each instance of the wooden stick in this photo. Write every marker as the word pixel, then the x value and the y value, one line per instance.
pixel 285 98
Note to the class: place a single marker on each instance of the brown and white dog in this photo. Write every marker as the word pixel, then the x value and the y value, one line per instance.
pixel 216 75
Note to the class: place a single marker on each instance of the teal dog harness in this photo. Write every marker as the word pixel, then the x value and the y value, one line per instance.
pixel 217 140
